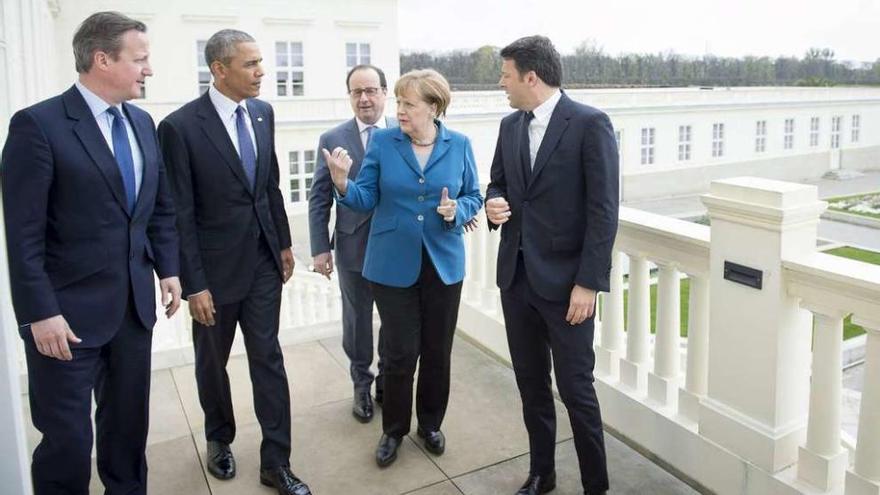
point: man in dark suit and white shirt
(554, 189)
(89, 219)
(367, 88)
(235, 250)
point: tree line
(589, 67)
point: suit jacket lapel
(149, 175)
(355, 148)
(89, 134)
(213, 127)
(403, 146)
(260, 123)
(441, 147)
(555, 130)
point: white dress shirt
(105, 123)
(538, 125)
(380, 124)
(226, 110)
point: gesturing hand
(51, 337)
(447, 206)
(339, 163)
(498, 210)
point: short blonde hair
(429, 85)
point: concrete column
(491, 294)
(822, 461)
(759, 343)
(697, 349)
(864, 478)
(609, 351)
(663, 381)
(634, 367)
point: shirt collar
(380, 124)
(224, 105)
(545, 110)
(95, 103)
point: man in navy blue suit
(89, 218)
(235, 250)
(554, 189)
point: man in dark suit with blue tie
(367, 87)
(89, 218)
(554, 188)
(234, 250)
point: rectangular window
(648, 135)
(814, 131)
(788, 136)
(289, 70)
(204, 72)
(856, 127)
(684, 143)
(760, 136)
(302, 173)
(835, 132)
(717, 140)
(357, 54)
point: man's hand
(287, 263)
(498, 210)
(201, 308)
(581, 305)
(447, 206)
(170, 290)
(323, 264)
(472, 225)
(51, 336)
(339, 163)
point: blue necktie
(245, 147)
(370, 129)
(122, 152)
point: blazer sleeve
(363, 192)
(601, 176)
(26, 170)
(178, 165)
(161, 228)
(276, 199)
(469, 200)
(320, 203)
(497, 181)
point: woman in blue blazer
(421, 183)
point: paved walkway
(486, 441)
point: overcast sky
(689, 27)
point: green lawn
(849, 329)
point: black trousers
(258, 315)
(537, 330)
(60, 394)
(418, 325)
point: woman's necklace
(425, 144)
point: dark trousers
(536, 328)
(418, 323)
(60, 394)
(357, 330)
(258, 315)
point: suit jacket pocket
(68, 272)
(381, 225)
(565, 243)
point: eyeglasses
(370, 92)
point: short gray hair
(101, 32)
(221, 45)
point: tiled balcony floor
(487, 447)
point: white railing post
(864, 477)
(634, 367)
(609, 350)
(822, 461)
(491, 293)
(696, 378)
(663, 381)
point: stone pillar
(609, 350)
(759, 343)
(864, 477)
(697, 349)
(634, 367)
(663, 381)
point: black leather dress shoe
(386, 451)
(435, 441)
(537, 484)
(283, 480)
(221, 463)
(362, 409)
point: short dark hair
(220, 47)
(536, 53)
(101, 31)
(382, 82)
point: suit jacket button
(421, 180)
(420, 217)
(421, 198)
